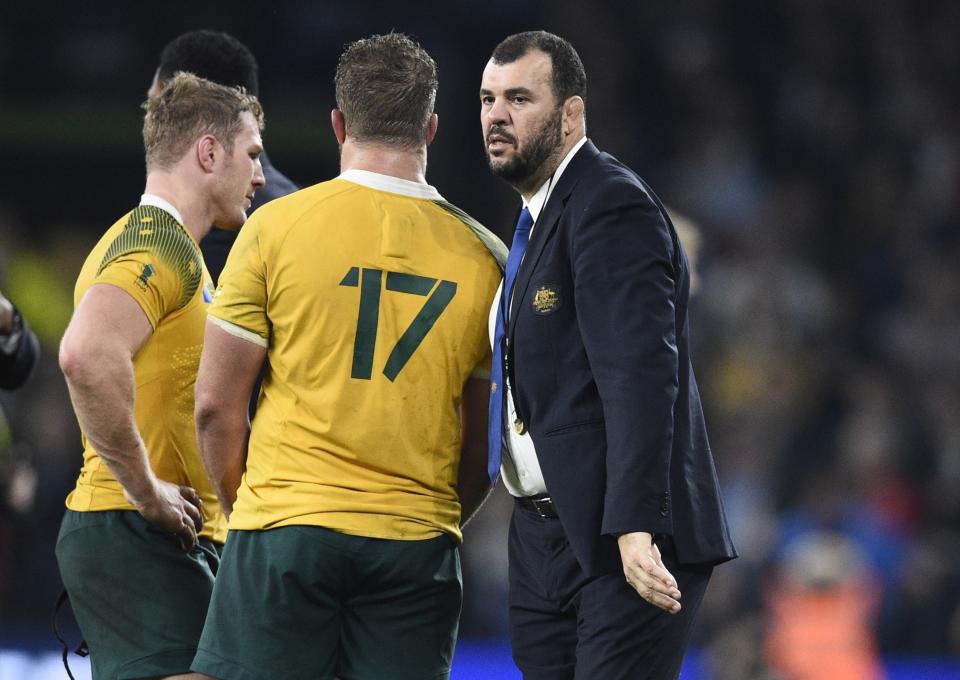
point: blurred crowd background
(809, 148)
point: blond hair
(189, 107)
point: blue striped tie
(497, 375)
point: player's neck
(408, 164)
(184, 196)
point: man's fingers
(657, 587)
(187, 536)
(193, 506)
(660, 600)
(190, 494)
(654, 567)
(196, 517)
(653, 577)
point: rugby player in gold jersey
(138, 545)
(367, 294)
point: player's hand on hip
(643, 567)
(174, 508)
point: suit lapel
(546, 223)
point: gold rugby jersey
(149, 255)
(370, 294)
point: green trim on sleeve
(494, 245)
(153, 230)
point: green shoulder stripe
(493, 244)
(154, 231)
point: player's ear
(339, 124)
(154, 88)
(206, 149)
(432, 127)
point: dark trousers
(565, 625)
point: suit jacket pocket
(595, 424)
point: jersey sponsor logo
(208, 292)
(439, 293)
(144, 278)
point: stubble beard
(527, 169)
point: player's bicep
(107, 317)
(229, 366)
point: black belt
(541, 505)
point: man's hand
(173, 508)
(644, 570)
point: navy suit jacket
(598, 358)
(216, 245)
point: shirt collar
(163, 204)
(539, 199)
(394, 185)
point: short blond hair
(189, 107)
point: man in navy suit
(618, 520)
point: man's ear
(207, 150)
(339, 124)
(154, 88)
(573, 110)
(432, 127)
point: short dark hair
(386, 86)
(569, 76)
(213, 55)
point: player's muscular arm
(229, 367)
(473, 484)
(96, 356)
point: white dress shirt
(520, 468)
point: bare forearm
(101, 388)
(228, 370)
(223, 440)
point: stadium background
(814, 143)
